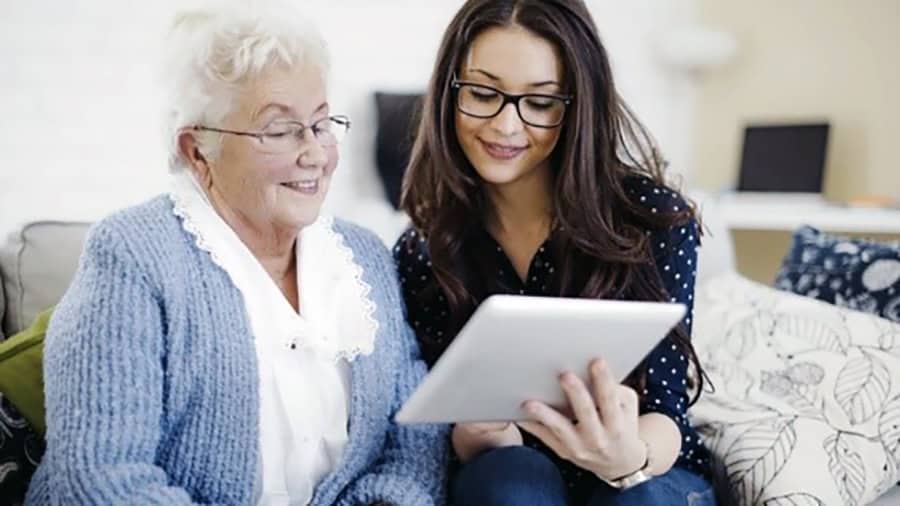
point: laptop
(783, 158)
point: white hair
(216, 49)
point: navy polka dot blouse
(675, 254)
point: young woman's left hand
(604, 439)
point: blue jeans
(521, 476)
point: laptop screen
(783, 158)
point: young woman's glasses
(287, 136)
(536, 109)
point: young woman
(530, 176)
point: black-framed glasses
(540, 110)
(283, 137)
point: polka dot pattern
(675, 253)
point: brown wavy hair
(599, 236)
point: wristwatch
(635, 478)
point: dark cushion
(21, 449)
(858, 274)
(398, 118)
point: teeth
(505, 149)
(303, 185)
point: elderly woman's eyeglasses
(287, 136)
(536, 109)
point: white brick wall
(80, 136)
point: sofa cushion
(36, 266)
(854, 273)
(806, 401)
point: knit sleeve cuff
(396, 490)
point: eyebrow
(494, 78)
(287, 109)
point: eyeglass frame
(509, 98)
(297, 132)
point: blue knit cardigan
(151, 381)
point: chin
(298, 216)
(306, 216)
(300, 211)
(499, 174)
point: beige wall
(800, 60)
(759, 254)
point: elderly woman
(226, 344)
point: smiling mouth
(305, 187)
(502, 151)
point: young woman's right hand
(470, 439)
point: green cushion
(21, 371)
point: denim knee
(676, 487)
(515, 475)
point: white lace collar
(336, 317)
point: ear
(190, 151)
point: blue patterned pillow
(857, 274)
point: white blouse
(304, 372)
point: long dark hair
(600, 235)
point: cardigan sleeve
(103, 379)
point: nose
(507, 121)
(312, 154)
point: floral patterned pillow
(854, 273)
(806, 400)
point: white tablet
(514, 348)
